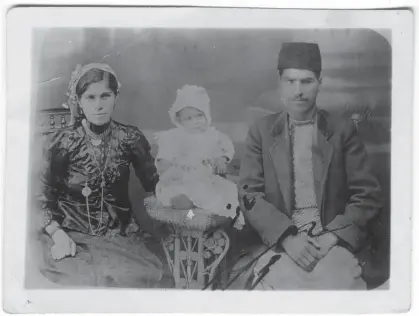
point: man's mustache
(299, 99)
(294, 99)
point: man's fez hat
(300, 55)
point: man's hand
(326, 242)
(303, 250)
(63, 245)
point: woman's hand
(220, 165)
(63, 245)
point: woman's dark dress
(71, 164)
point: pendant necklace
(87, 191)
(96, 139)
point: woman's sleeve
(225, 146)
(53, 170)
(143, 162)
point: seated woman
(84, 192)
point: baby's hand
(220, 165)
(162, 165)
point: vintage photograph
(233, 159)
(196, 157)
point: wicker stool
(193, 257)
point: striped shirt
(305, 208)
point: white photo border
(21, 21)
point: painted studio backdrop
(238, 69)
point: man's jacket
(347, 193)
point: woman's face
(98, 103)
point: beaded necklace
(87, 191)
(96, 139)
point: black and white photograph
(188, 155)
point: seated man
(306, 186)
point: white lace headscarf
(72, 102)
(191, 96)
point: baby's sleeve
(166, 146)
(225, 146)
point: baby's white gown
(191, 172)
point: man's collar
(279, 124)
(322, 123)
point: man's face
(298, 90)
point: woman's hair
(93, 76)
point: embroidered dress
(73, 164)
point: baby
(192, 156)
